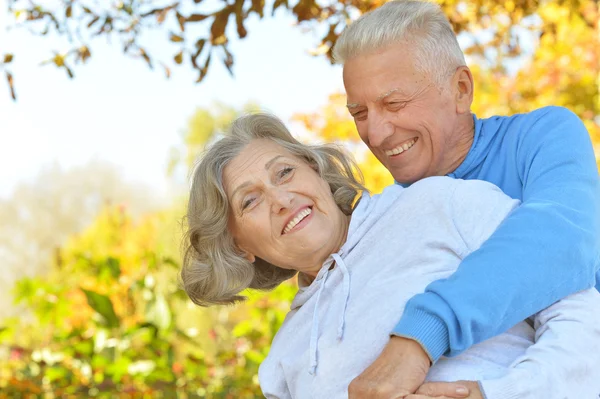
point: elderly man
(410, 92)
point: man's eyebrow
(381, 97)
(388, 93)
(247, 183)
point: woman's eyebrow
(272, 161)
(247, 183)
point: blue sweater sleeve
(545, 250)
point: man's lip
(292, 216)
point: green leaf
(159, 313)
(113, 265)
(103, 306)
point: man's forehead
(379, 97)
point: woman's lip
(300, 224)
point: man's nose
(281, 199)
(379, 129)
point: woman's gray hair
(421, 23)
(214, 270)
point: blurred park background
(105, 105)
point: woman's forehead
(258, 156)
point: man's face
(405, 118)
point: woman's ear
(251, 258)
(246, 254)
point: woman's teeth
(297, 220)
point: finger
(449, 389)
(417, 396)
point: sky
(118, 110)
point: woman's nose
(281, 199)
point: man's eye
(359, 115)
(396, 104)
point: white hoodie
(398, 243)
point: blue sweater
(545, 250)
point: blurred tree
(42, 214)
(110, 321)
(204, 126)
(201, 32)
(108, 317)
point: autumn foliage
(108, 318)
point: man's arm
(403, 365)
(564, 361)
(545, 250)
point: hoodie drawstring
(346, 283)
(314, 335)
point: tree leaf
(180, 20)
(176, 38)
(196, 18)
(103, 306)
(258, 6)
(113, 266)
(93, 21)
(204, 69)
(178, 58)
(239, 20)
(279, 3)
(8, 58)
(11, 85)
(217, 29)
(228, 61)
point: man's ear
(463, 84)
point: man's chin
(406, 179)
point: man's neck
(461, 145)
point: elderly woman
(264, 207)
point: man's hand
(448, 390)
(399, 370)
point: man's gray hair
(214, 270)
(421, 24)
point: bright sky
(118, 110)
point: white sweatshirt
(399, 242)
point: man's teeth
(297, 220)
(400, 149)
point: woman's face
(281, 210)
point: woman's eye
(247, 203)
(285, 172)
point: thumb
(449, 389)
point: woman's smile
(298, 220)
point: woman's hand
(448, 390)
